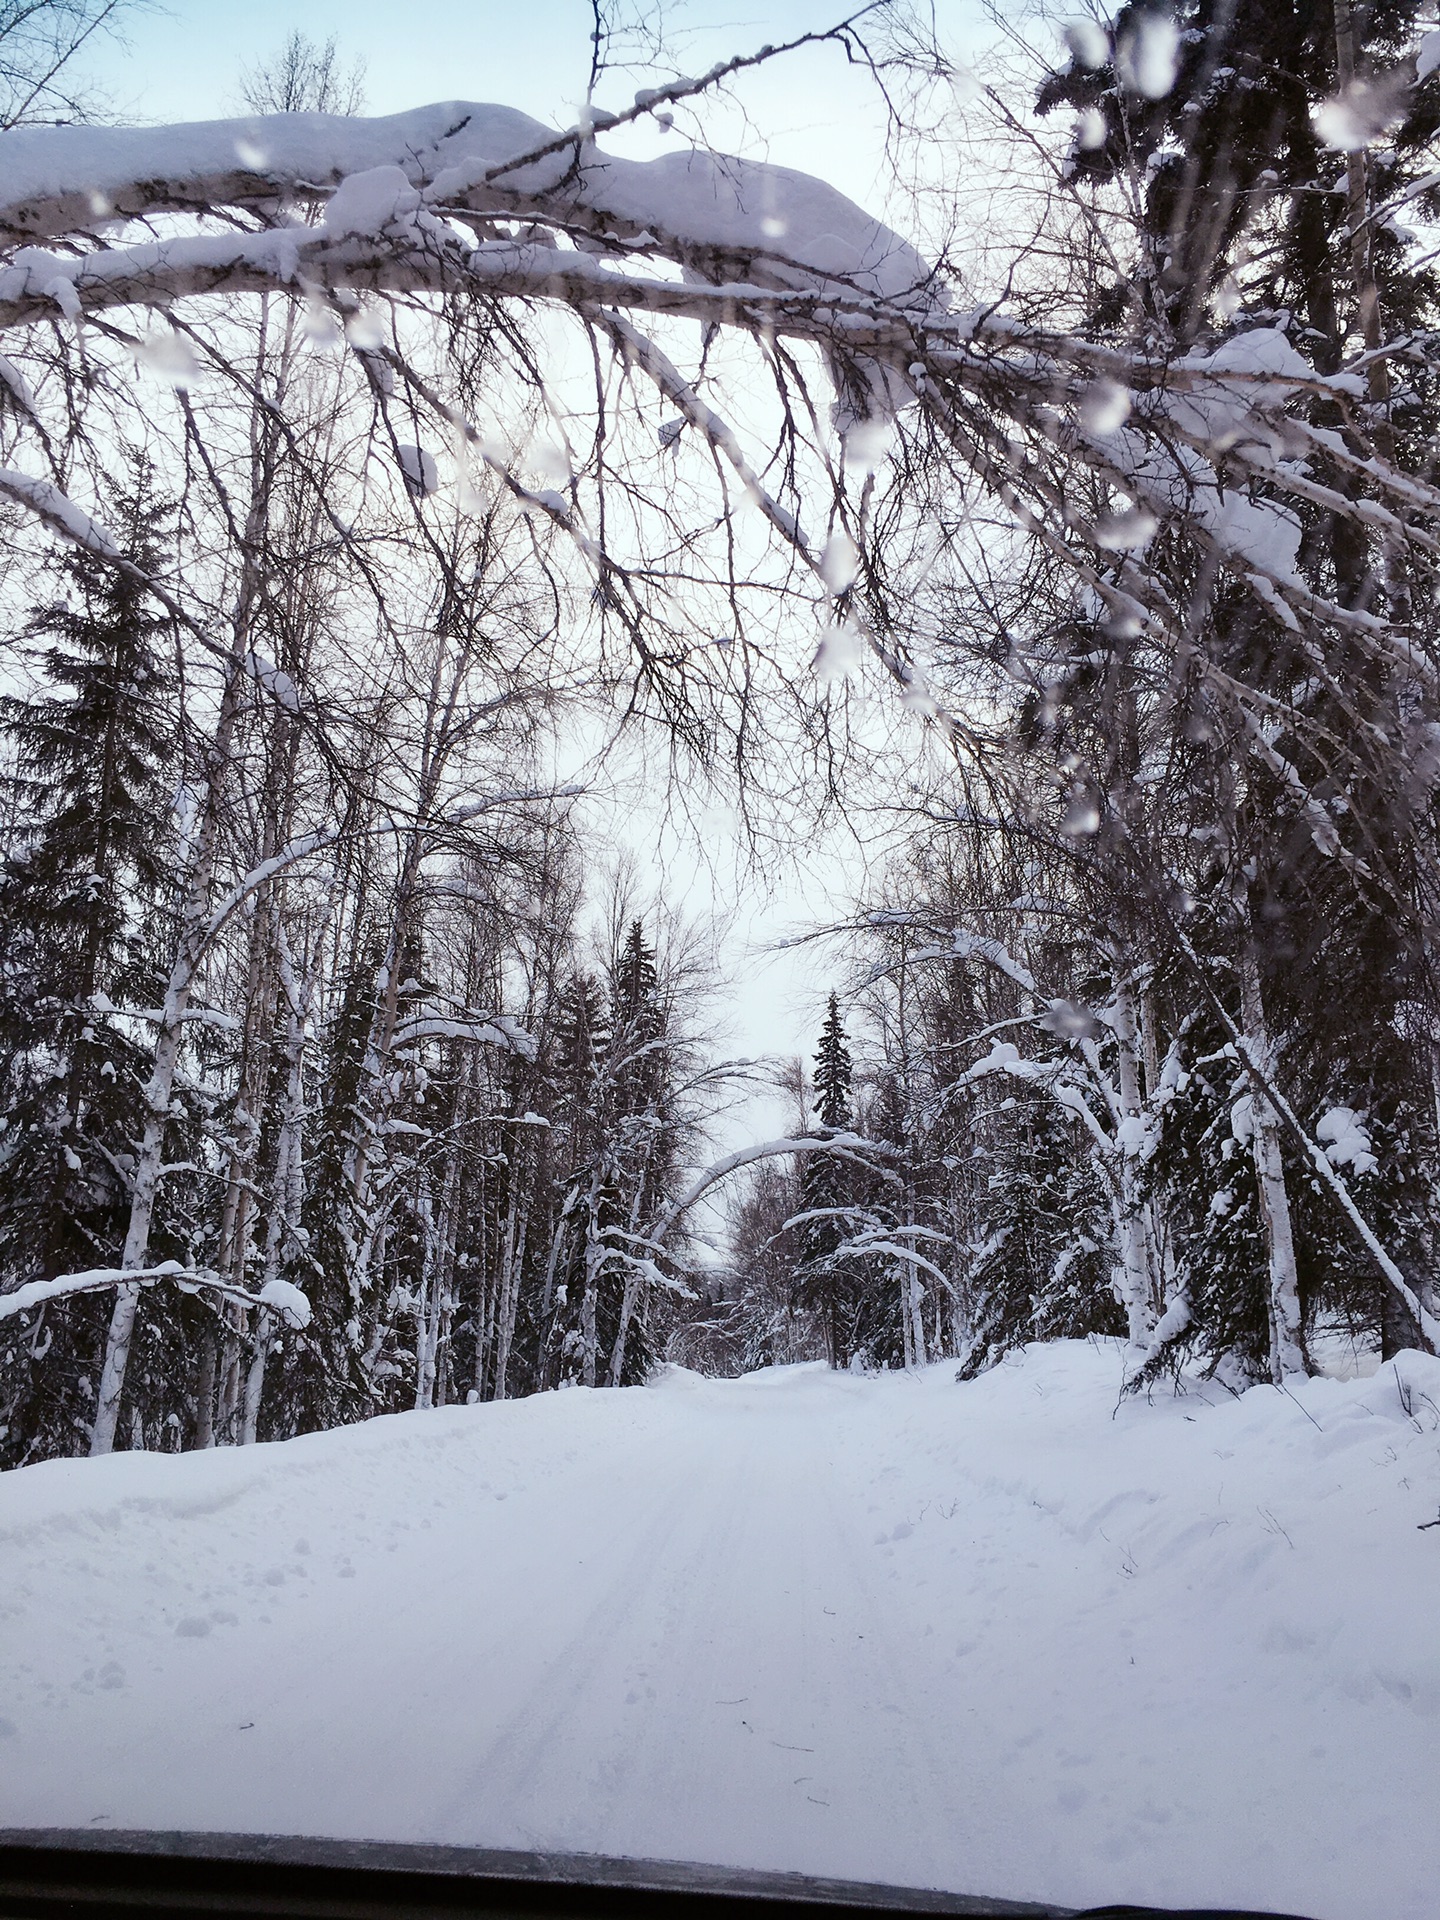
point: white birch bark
(160, 1086)
(1138, 1281)
(1287, 1347)
(428, 1320)
(512, 1260)
(589, 1299)
(286, 1199)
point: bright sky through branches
(184, 62)
(811, 110)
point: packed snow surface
(1006, 1637)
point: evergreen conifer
(83, 891)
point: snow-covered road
(986, 1637)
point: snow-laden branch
(894, 1250)
(724, 216)
(492, 1030)
(484, 203)
(847, 1146)
(281, 1295)
(57, 510)
(882, 1238)
(1051, 1077)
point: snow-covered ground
(999, 1638)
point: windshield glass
(719, 1052)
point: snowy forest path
(1009, 1638)
(733, 1680)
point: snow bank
(1010, 1637)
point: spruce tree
(827, 1188)
(82, 889)
(1250, 218)
(643, 1127)
(588, 1209)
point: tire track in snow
(516, 1784)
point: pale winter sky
(186, 60)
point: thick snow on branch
(286, 1299)
(37, 1293)
(775, 226)
(57, 510)
(483, 202)
(496, 1030)
(281, 1295)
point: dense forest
(355, 519)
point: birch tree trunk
(241, 1209)
(512, 1257)
(149, 1161)
(1138, 1280)
(286, 1199)
(428, 1321)
(1287, 1347)
(589, 1299)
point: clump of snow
(840, 562)
(1081, 816)
(1261, 350)
(1088, 42)
(867, 443)
(372, 202)
(1090, 130)
(1126, 532)
(1135, 1137)
(420, 473)
(841, 649)
(365, 330)
(286, 1299)
(1365, 110)
(1148, 54)
(1346, 1139)
(1259, 531)
(1105, 407)
(169, 357)
(276, 682)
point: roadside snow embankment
(1003, 1638)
